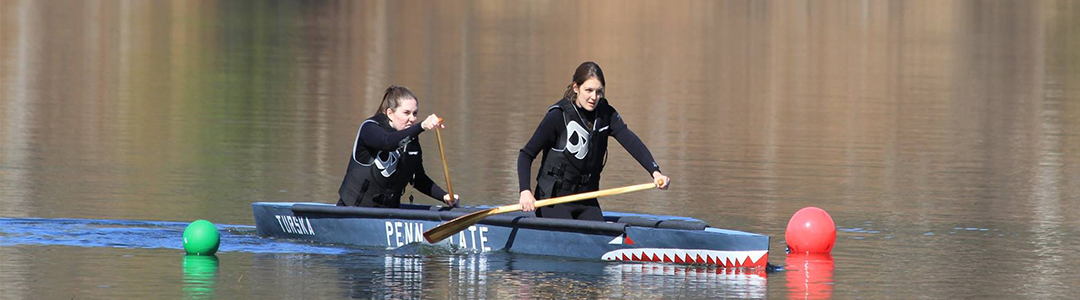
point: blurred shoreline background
(909, 121)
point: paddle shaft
(458, 224)
(446, 170)
(578, 197)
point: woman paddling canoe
(573, 137)
(386, 155)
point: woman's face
(589, 93)
(404, 115)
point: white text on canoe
(295, 225)
(401, 233)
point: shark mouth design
(727, 259)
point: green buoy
(201, 238)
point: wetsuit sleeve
(425, 185)
(543, 138)
(633, 144)
(373, 136)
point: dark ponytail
(584, 71)
(393, 97)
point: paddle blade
(456, 225)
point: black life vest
(574, 164)
(377, 178)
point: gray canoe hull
(626, 237)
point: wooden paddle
(458, 224)
(446, 170)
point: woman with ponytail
(386, 155)
(573, 137)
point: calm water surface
(942, 137)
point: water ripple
(144, 235)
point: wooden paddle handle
(446, 170)
(579, 197)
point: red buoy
(811, 230)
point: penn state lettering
(469, 238)
(295, 225)
(400, 233)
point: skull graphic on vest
(577, 139)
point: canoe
(621, 237)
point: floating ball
(201, 238)
(811, 230)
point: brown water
(942, 137)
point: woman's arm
(544, 137)
(637, 149)
(373, 136)
(425, 185)
(633, 144)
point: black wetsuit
(572, 162)
(382, 163)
